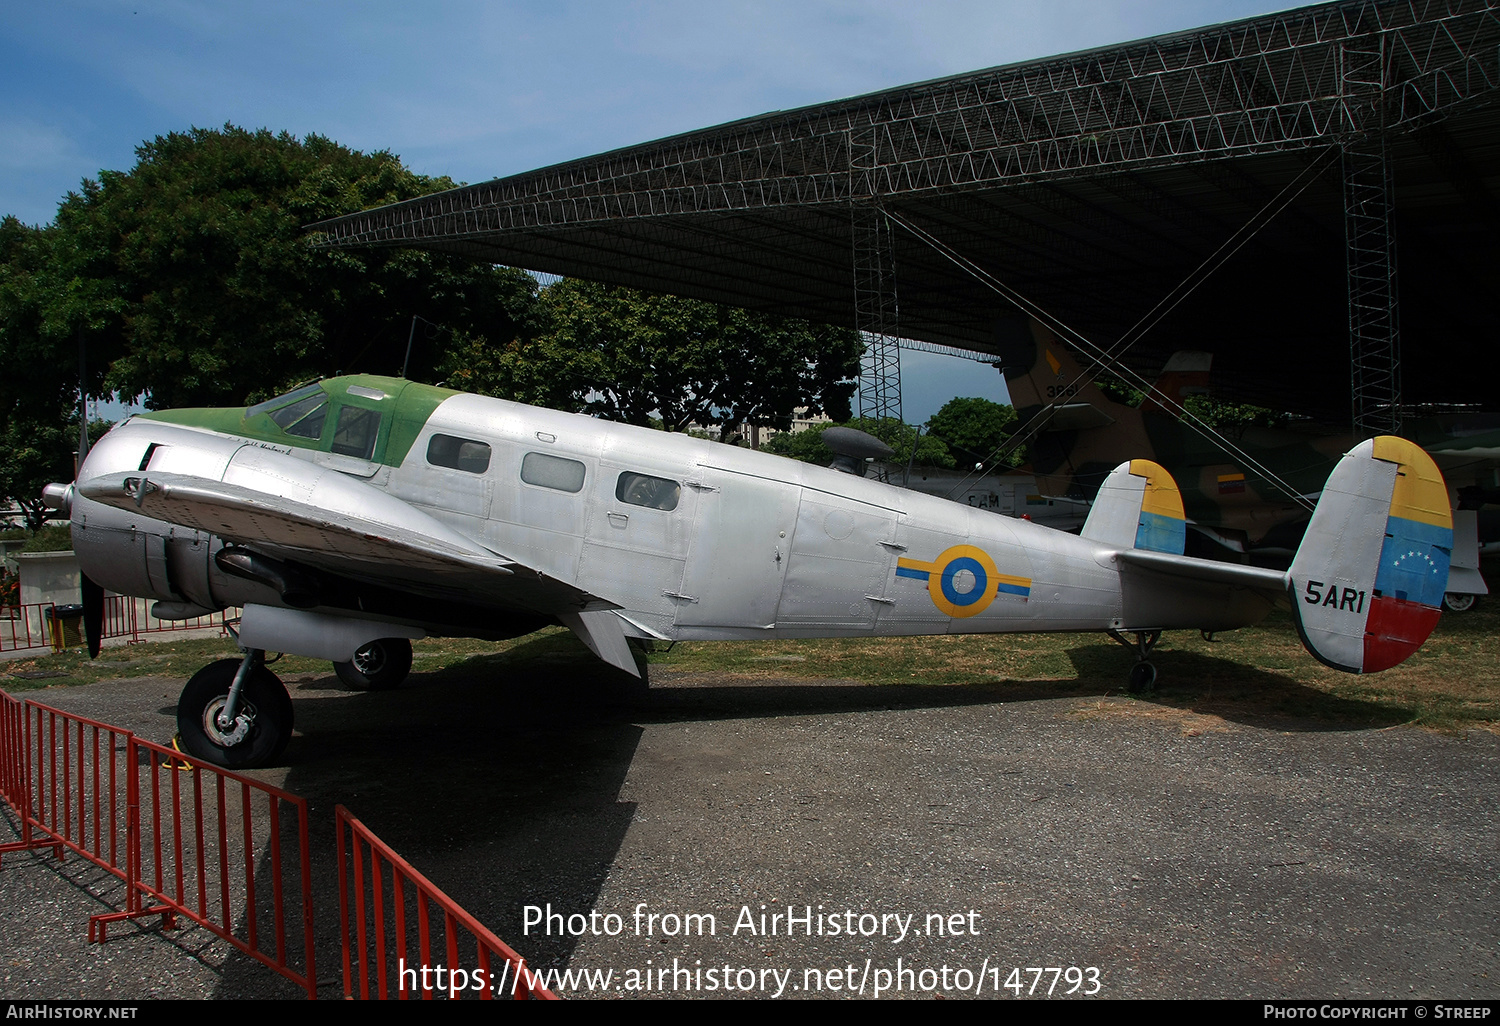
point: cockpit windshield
(303, 419)
(282, 400)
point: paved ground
(1177, 854)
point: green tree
(193, 279)
(973, 428)
(33, 454)
(640, 357)
(39, 328)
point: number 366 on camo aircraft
(351, 516)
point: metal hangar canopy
(1093, 184)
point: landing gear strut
(1143, 673)
(235, 713)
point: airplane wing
(348, 528)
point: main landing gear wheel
(377, 666)
(1459, 602)
(262, 723)
(1142, 677)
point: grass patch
(1259, 675)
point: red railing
(384, 917)
(198, 834)
(77, 791)
(15, 774)
(34, 625)
(28, 626)
(182, 837)
(123, 619)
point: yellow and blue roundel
(963, 581)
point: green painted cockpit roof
(405, 407)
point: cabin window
(356, 432)
(304, 419)
(546, 471)
(644, 490)
(458, 453)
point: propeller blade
(93, 614)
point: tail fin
(1039, 370)
(1138, 507)
(1368, 580)
(1186, 373)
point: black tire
(1142, 677)
(1459, 601)
(263, 726)
(377, 666)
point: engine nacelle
(132, 554)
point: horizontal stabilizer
(1078, 417)
(1368, 580)
(1138, 507)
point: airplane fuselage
(686, 538)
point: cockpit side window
(304, 418)
(356, 432)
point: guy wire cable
(1108, 359)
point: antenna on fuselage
(410, 335)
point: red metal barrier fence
(27, 626)
(197, 837)
(15, 773)
(77, 786)
(34, 625)
(181, 836)
(382, 909)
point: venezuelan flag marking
(1231, 484)
(1414, 559)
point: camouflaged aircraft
(349, 517)
(1233, 509)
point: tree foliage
(193, 280)
(639, 357)
(190, 280)
(973, 428)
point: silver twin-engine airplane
(352, 516)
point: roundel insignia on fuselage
(963, 580)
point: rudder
(1138, 507)
(1368, 580)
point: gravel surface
(1178, 855)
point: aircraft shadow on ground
(502, 790)
(499, 778)
(1197, 683)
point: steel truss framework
(1088, 181)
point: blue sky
(478, 90)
